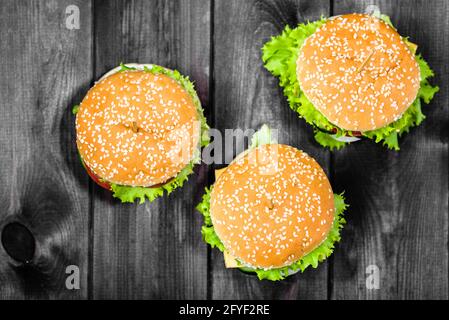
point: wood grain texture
(44, 66)
(247, 96)
(152, 251)
(398, 218)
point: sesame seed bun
(272, 211)
(137, 128)
(358, 72)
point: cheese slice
(230, 261)
(413, 47)
(218, 172)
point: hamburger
(272, 211)
(351, 77)
(139, 131)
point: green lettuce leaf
(207, 230)
(75, 109)
(312, 259)
(426, 91)
(261, 137)
(124, 67)
(129, 193)
(327, 140)
(279, 56)
(387, 19)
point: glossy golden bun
(137, 128)
(358, 72)
(272, 206)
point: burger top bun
(358, 72)
(137, 128)
(272, 206)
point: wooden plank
(398, 218)
(247, 96)
(44, 67)
(153, 250)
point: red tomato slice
(96, 178)
(354, 133)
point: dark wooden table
(398, 219)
